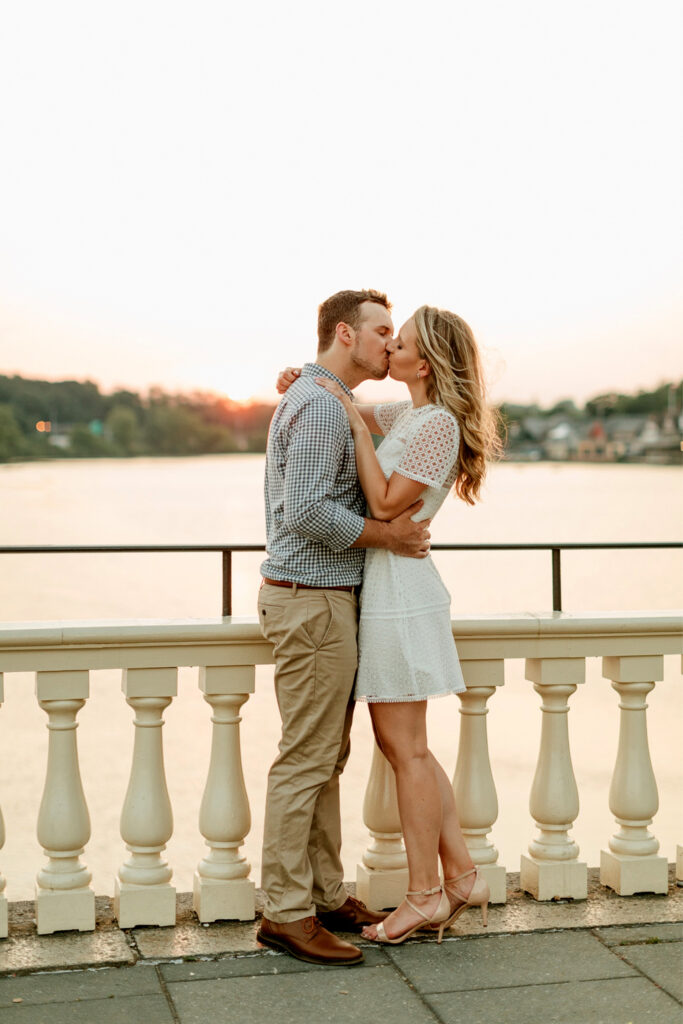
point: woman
(439, 440)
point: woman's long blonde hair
(456, 382)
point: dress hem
(411, 698)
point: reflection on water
(218, 500)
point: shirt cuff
(347, 528)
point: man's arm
(401, 535)
(315, 449)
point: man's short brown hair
(344, 307)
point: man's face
(369, 351)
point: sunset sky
(182, 183)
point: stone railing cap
(192, 631)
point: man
(317, 531)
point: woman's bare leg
(402, 737)
(453, 853)
(401, 732)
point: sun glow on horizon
(173, 217)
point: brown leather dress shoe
(350, 917)
(307, 940)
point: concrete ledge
(25, 951)
(148, 643)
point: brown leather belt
(307, 586)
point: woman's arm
(386, 498)
(291, 373)
(367, 414)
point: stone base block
(63, 911)
(495, 876)
(381, 890)
(143, 904)
(628, 875)
(3, 917)
(218, 900)
(558, 880)
(679, 865)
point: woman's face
(404, 359)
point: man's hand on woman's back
(409, 539)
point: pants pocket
(319, 619)
(272, 620)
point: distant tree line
(66, 419)
(58, 419)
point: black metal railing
(226, 551)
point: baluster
(679, 848)
(64, 899)
(382, 878)
(222, 888)
(142, 894)
(475, 791)
(631, 864)
(552, 870)
(3, 898)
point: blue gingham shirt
(314, 503)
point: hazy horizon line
(272, 397)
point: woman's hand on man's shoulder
(286, 377)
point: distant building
(561, 442)
(611, 438)
(59, 439)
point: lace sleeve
(431, 454)
(387, 413)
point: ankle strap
(424, 892)
(458, 878)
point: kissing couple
(356, 611)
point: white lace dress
(405, 644)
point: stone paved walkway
(604, 960)
(612, 975)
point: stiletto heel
(478, 896)
(440, 914)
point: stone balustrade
(3, 898)
(554, 646)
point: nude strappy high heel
(479, 896)
(440, 915)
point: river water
(218, 499)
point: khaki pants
(314, 635)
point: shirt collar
(316, 370)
